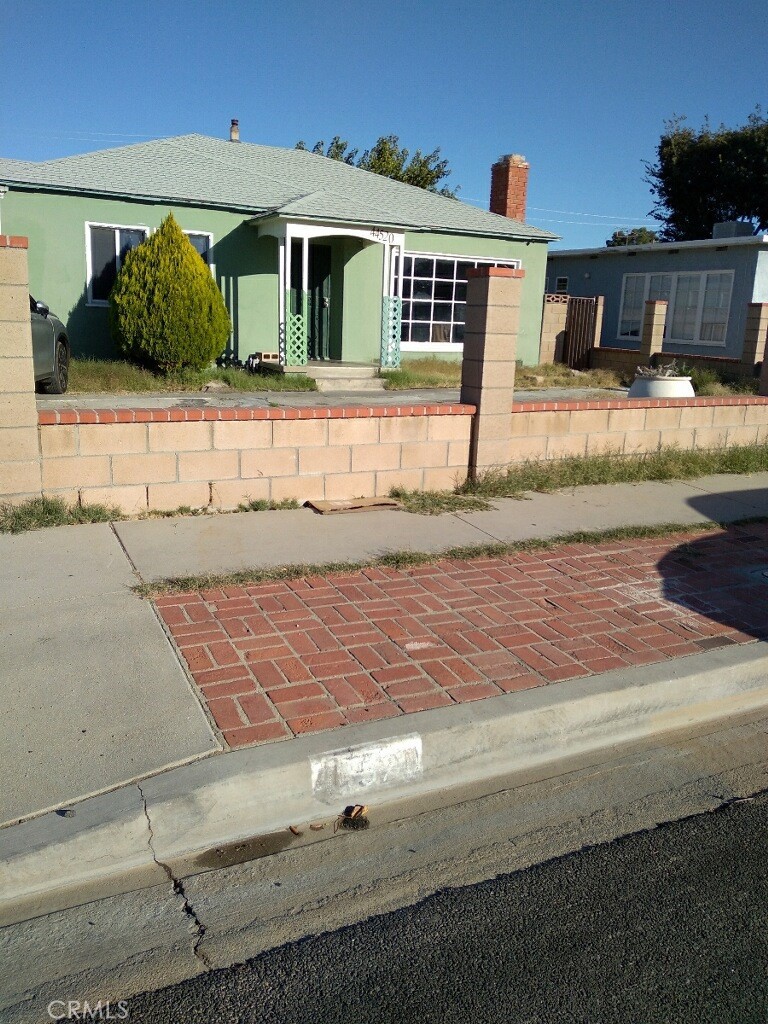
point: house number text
(383, 236)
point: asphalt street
(661, 927)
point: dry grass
(406, 559)
(665, 464)
(432, 372)
(116, 377)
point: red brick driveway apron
(274, 660)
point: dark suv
(50, 349)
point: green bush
(166, 311)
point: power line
(609, 218)
(578, 213)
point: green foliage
(637, 236)
(166, 311)
(387, 158)
(710, 175)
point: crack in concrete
(178, 888)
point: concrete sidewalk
(94, 689)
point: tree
(166, 311)
(637, 236)
(386, 157)
(710, 175)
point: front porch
(337, 293)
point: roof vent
(234, 130)
(733, 229)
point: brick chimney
(234, 131)
(509, 185)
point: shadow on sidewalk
(724, 576)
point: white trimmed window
(561, 286)
(202, 242)
(434, 292)
(699, 304)
(105, 248)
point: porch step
(344, 377)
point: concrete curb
(178, 823)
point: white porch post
(281, 299)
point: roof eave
(661, 247)
(136, 197)
(516, 236)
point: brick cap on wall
(49, 417)
(495, 272)
(13, 242)
(584, 405)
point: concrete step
(336, 384)
(344, 376)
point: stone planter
(661, 387)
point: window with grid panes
(435, 295)
(698, 305)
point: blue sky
(581, 89)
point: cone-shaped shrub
(166, 311)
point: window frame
(442, 346)
(675, 275)
(205, 234)
(116, 228)
(561, 289)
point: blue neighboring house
(708, 285)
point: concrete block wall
(556, 430)
(554, 316)
(651, 348)
(19, 452)
(139, 459)
(164, 459)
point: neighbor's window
(435, 295)
(698, 305)
(107, 246)
(561, 286)
(631, 320)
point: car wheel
(57, 385)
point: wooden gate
(581, 327)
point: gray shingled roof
(259, 180)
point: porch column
(281, 303)
(295, 324)
(391, 308)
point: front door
(319, 301)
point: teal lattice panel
(295, 340)
(391, 321)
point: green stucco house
(317, 260)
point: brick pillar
(652, 337)
(488, 367)
(755, 334)
(553, 319)
(20, 473)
